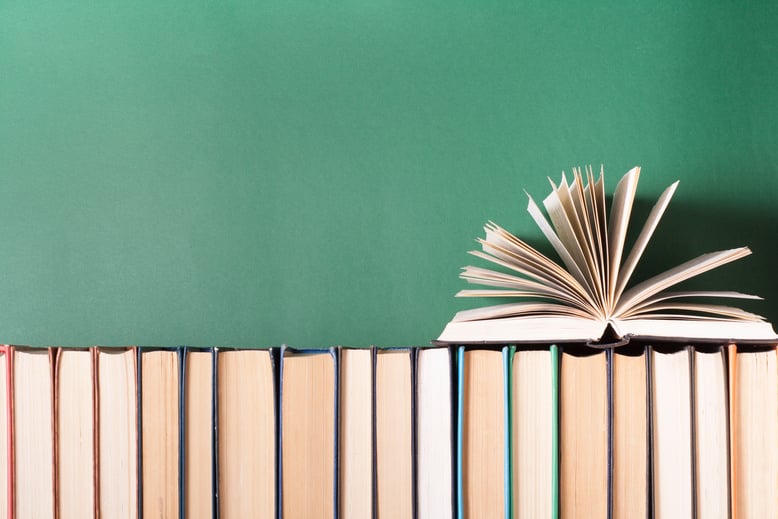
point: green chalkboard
(311, 173)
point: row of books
(477, 432)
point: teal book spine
(507, 358)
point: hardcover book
(308, 432)
(74, 406)
(117, 433)
(246, 433)
(588, 296)
(357, 482)
(33, 423)
(483, 432)
(197, 438)
(435, 445)
(394, 422)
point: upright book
(34, 426)
(671, 417)
(583, 424)
(394, 420)
(246, 433)
(198, 438)
(534, 432)
(117, 433)
(434, 433)
(160, 424)
(588, 296)
(75, 392)
(483, 432)
(357, 470)
(6, 433)
(629, 433)
(754, 429)
(308, 432)
(711, 433)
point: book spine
(139, 421)
(52, 353)
(335, 353)
(414, 465)
(374, 422)
(649, 436)
(693, 428)
(555, 431)
(94, 353)
(609, 463)
(277, 361)
(460, 428)
(506, 378)
(215, 433)
(650, 427)
(728, 424)
(9, 417)
(732, 385)
(54, 358)
(509, 436)
(181, 357)
(453, 407)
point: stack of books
(441, 432)
(589, 397)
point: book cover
(588, 296)
(6, 432)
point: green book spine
(555, 431)
(511, 353)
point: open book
(587, 297)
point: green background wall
(312, 173)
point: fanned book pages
(588, 295)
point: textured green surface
(257, 173)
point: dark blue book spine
(460, 429)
